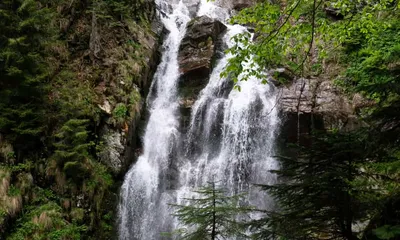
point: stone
(112, 153)
(242, 4)
(106, 107)
(308, 104)
(193, 7)
(236, 4)
(198, 48)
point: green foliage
(75, 171)
(26, 30)
(13, 191)
(111, 10)
(73, 98)
(46, 222)
(120, 111)
(21, 167)
(77, 214)
(49, 105)
(316, 197)
(210, 215)
(387, 232)
(341, 177)
(300, 35)
(72, 145)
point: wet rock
(241, 4)
(112, 153)
(197, 50)
(193, 7)
(308, 104)
(334, 13)
(236, 4)
(197, 54)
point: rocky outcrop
(119, 134)
(236, 4)
(197, 49)
(314, 104)
(197, 54)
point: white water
(230, 138)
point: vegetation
(210, 215)
(340, 179)
(60, 61)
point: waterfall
(230, 138)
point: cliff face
(99, 60)
(128, 86)
(315, 103)
(304, 103)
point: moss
(119, 113)
(13, 191)
(75, 171)
(135, 97)
(77, 214)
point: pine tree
(210, 215)
(316, 198)
(72, 148)
(25, 30)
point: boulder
(113, 151)
(236, 4)
(308, 104)
(197, 50)
(315, 96)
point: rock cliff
(197, 54)
(314, 103)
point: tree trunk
(213, 231)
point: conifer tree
(25, 31)
(315, 196)
(72, 148)
(210, 215)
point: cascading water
(230, 138)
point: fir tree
(25, 31)
(210, 215)
(72, 148)
(316, 198)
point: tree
(25, 31)
(357, 44)
(305, 36)
(210, 215)
(315, 197)
(72, 149)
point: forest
(60, 60)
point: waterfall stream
(230, 138)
